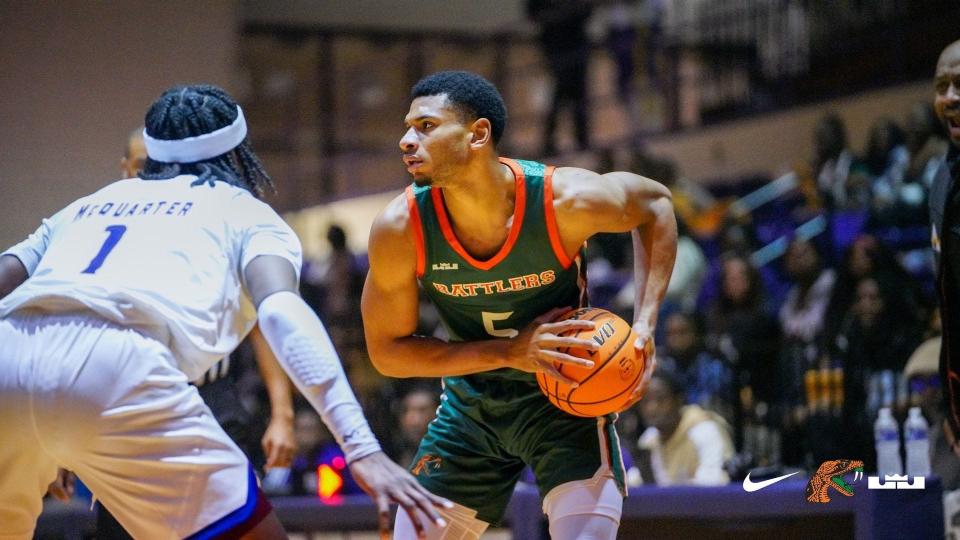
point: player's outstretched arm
(303, 348)
(278, 442)
(390, 306)
(588, 203)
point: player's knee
(461, 525)
(584, 509)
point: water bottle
(916, 439)
(887, 437)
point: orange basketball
(608, 385)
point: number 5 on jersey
(115, 232)
(490, 317)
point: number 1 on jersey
(489, 318)
(115, 232)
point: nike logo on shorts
(749, 485)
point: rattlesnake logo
(427, 463)
(830, 474)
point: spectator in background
(926, 144)
(653, 15)
(801, 321)
(738, 236)
(865, 257)
(886, 160)
(707, 379)
(876, 337)
(841, 180)
(684, 444)
(742, 329)
(928, 147)
(621, 41)
(342, 283)
(563, 38)
(414, 411)
(802, 315)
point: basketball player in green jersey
(495, 244)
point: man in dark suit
(945, 219)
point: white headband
(200, 147)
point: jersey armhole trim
(417, 227)
(550, 217)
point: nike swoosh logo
(748, 485)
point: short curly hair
(473, 96)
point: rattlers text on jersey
(163, 256)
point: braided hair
(189, 111)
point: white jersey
(162, 256)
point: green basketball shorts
(473, 453)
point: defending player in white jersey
(119, 299)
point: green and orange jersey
(530, 275)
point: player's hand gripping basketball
(387, 482)
(536, 347)
(647, 350)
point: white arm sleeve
(300, 342)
